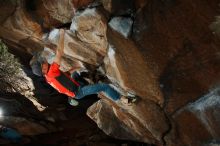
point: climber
(10, 134)
(67, 84)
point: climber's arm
(60, 48)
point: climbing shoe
(73, 102)
(128, 100)
(132, 99)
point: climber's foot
(73, 102)
(128, 100)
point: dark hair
(36, 64)
(36, 68)
(47, 67)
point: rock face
(90, 27)
(27, 21)
(122, 25)
(201, 116)
(171, 60)
(20, 29)
(176, 41)
(60, 10)
(126, 66)
(27, 127)
(85, 42)
(215, 26)
(8, 9)
(101, 112)
(20, 113)
(118, 7)
(136, 122)
(55, 12)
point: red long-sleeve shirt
(61, 81)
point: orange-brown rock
(182, 51)
(198, 122)
(54, 13)
(21, 31)
(143, 121)
(172, 63)
(7, 9)
(126, 66)
(118, 7)
(26, 127)
(62, 11)
(81, 3)
(85, 42)
(90, 27)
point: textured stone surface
(26, 127)
(21, 31)
(215, 26)
(20, 21)
(50, 14)
(20, 113)
(27, 21)
(198, 121)
(122, 25)
(90, 27)
(64, 10)
(118, 7)
(75, 49)
(125, 66)
(173, 62)
(85, 43)
(182, 55)
(78, 4)
(7, 9)
(60, 10)
(181, 58)
(101, 113)
(176, 41)
(144, 121)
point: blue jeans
(95, 89)
(78, 78)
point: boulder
(215, 26)
(183, 57)
(27, 127)
(21, 31)
(143, 121)
(73, 49)
(27, 21)
(85, 42)
(90, 27)
(122, 25)
(101, 113)
(171, 61)
(198, 122)
(62, 11)
(79, 4)
(118, 7)
(21, 22)
(7, 9)
(50, 14)
(125, 66)
(139, 4)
